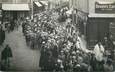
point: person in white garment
(81, 44)
(99, 52)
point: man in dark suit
(6, 56)
(2, 35)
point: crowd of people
(63, 47)
(11, 24)
(44, 24)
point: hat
(78, 51)
(59, 60)
(109, 61)
(43, 42)
(73, 52)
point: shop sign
(108, 8)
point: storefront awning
(105, 2)
(44, 2)
(101, 15)
(15, 7)
(38, 4)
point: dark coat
(43, 58)
(2, 36)
(6, 53)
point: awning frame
(38, 3)
(15, 7)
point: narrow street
(24, 58)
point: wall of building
(79, 4)
(87, 6)
(101, 20)
(15, 1)
(0, 1)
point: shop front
(101, 21)
(15, 11)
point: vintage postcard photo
(57, 35)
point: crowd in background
(10, 24)
(63, 47)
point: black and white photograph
(57, 35)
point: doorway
(97, 29)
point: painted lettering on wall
(104, 8)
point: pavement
(24, 58)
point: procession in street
(57, 36)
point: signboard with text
(107, 8)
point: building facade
(101, 18)
(80, 5)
